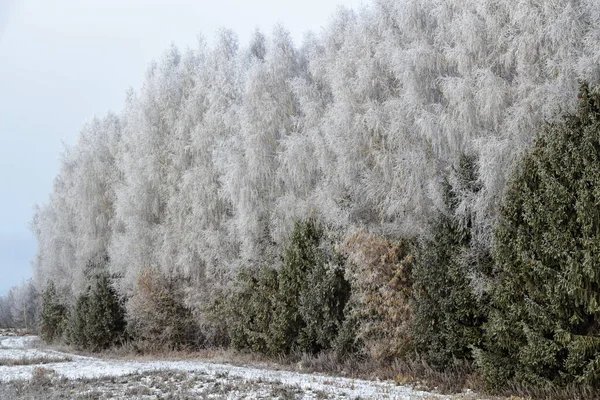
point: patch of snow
(30, 354)
(17, 342)
(88, 367)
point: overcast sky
(64, 61)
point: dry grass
(38, 360)
(411, 373)
(519, 391)
(15, 332)
(404, 372)
(217, 355)
(155, 385)
(41, 377)
(415, 374)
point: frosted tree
(516, 66)
(222, 149)
(55, 230)
(75, 225)
(267, 115)
(176, 255)
(359, 148)
(5, 315)
(148, 165)
(23, 305)
(93, 192)
(203, 207)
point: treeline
(417, 182)
(20, 307)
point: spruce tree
(321, 305)
(249, 310)
(544, 325)
(53, 314)
(78, 321)
(448, 316)
(300, 307)
(300, 257)
(97, 320)
(106, 315)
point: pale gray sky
(64, 61)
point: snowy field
(28, 370)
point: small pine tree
(300, 307)
(77, 322)
(348, 340)
(105, 320)
(544, 325)
(312, 293)
(300, 257)
(321, 306)
(97, 320)
(448, 316)
(249, 310)
(53, 314)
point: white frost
(88, 367)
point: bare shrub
(157, 316)
(41, 377)
(381, 276)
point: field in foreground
(29, 370)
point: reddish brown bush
(381, 275)
(157, 316)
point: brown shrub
(157, 317)
(381, 276)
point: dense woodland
(420, 180)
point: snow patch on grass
(200, 376)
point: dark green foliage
(301, 257)
(250, 310)
(106, 316)
(321, 306)
(53, 314)
(348, 340)
(97, 320)
(300, 307)
(544, 327)
(77, 322)
(448, 316)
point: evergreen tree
(249, 310)
(53, 314)
(448, 316)
(544, 326)
(321, 305)
(300, 257)
(97, 320)
(105, 322)
(78, 321)
(300, 307)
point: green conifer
(448, 316)
(544, 325)
(53, 314)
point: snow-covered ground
(74, 367)
(19, 350)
